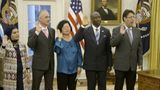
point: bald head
(95, 14)
(42, 13)
(96, 19)
(44, 18)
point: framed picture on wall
(110, 11)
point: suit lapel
(134, 35)
(127, 37)
(101, 35)
(50, 34)
(91, 33)
(43, 35)
(94, 37)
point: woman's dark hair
(61, 24)
(9, 30)
(126, 12)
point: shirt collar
(43, 28)
(103, 7)
(94, 28)
(127, 27)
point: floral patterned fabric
(9, 59)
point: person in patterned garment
(15, 61)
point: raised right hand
(5, 40)
(85, 21)
(122, 29)
(38, 28)
(60, 36)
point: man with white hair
(41, 41)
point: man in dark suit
(97, 55)
(41, 41)
(106, 13)
(127, 40)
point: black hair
(126, 12)
(61, 24)
(9, 30)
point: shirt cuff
(59, 44)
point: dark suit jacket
(96, 57)
(43, 49)
(105, 16)
(127, 55)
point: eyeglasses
(131, 17)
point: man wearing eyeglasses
(128, 54)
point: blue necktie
(97, 34)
